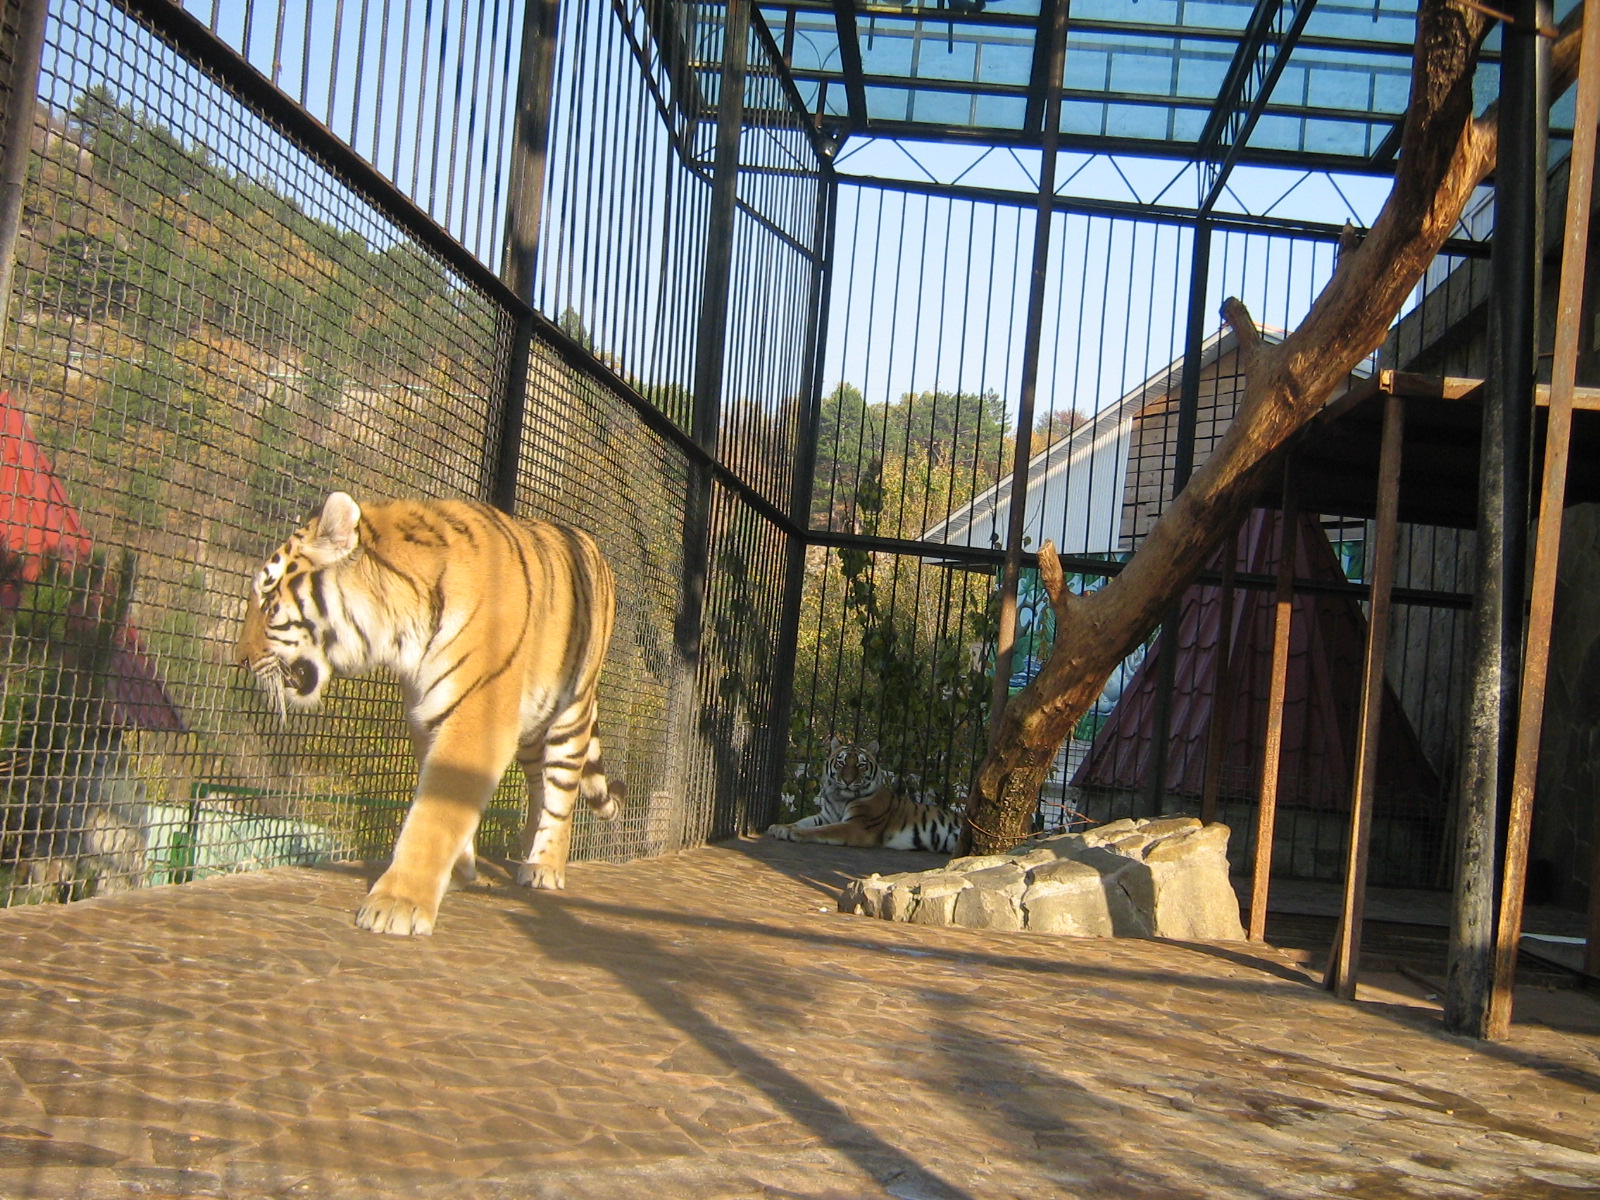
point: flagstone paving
(706, 1025)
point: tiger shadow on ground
(828, 869)
(676, 982)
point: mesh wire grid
(915, 439)
(211, 331)
(424, 92)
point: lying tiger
(496, 630)
(859, 806)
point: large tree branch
(1444, 155)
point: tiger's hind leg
(602, 794)
(559, 767)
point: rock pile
(1166, 877)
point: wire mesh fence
(914, 490)
(214, 323)
(424, 92)
(787, 408)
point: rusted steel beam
(1340, 977)
(1272, 750)
(1547, 544)
(1222, 697)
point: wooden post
(1547, 545)
(1272, 749)
(1222, 696)
(1340, 977)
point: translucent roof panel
(1175, 78)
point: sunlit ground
(707, 1025)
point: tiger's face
(852, 769)
(290, 640)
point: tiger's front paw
(784, 833)
(390, 907)
(539, 876)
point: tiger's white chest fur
(850, 773)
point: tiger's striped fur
(859, 805)
(496, 630)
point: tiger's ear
(336, 529)
(834, 743)
(871, 747)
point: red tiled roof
(1326, 648)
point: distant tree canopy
(932, 451)
(156, 233)
(1055, 426)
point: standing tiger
(496, 630)
(859, 806)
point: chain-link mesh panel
(588, 461)
(741, 643)
(209, 332)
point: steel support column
(524, 210)
(1495, 637)
(800, 494)
(22, 94)
(1005, 640)
(1182, 468)
(1547, 546)
(710, 350)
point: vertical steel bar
(1495, 639)
(802, 484)
(1005, 641)
(1340, 976)
(1221, 717)
(21, 101)
(530, 138)
(1182, 468)
(1547, 545)
(710, 350)
(1272, 743)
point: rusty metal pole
(1272, 743)
(1495, 637)
(1340, 977)
(1547, 545)
(1222, 694)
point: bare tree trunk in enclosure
(1444, 154)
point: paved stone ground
(706, 1025)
